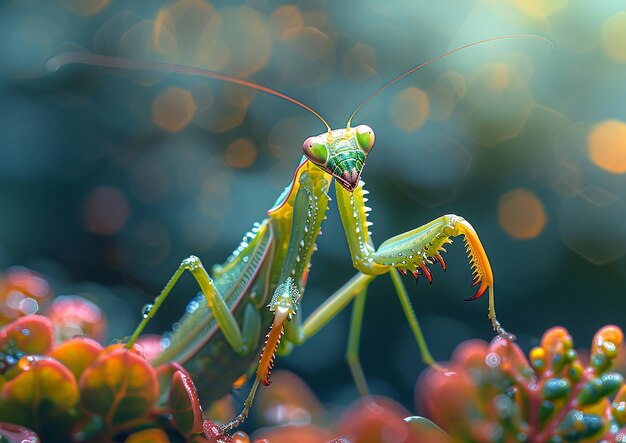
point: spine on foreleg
(268, 355)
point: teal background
(106, 202)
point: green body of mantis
(260, 286)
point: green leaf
(184, 404)
(120, 386)
(77, 354)
(43, 390)
(148, 436)
(27, 335)
(164, 377)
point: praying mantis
(260, 286)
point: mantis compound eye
(365, 137)
(315, 150)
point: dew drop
(145, 311)
(29, 306)
(492, 360)
(240, 437)
(166, 340)
(192, 306)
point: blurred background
(108, 179)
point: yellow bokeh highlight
(539, 9)
(308, 56)
(499, 77)
(202, 94)
(521, 214)
(284, 19)
(249, 40)
(233, 40)
(194, 26)
(241, 153)
(444, 94)
(233, 103)
(614, 36)
(607, 146)
(409, 109)
(494, 79)
(499, 103)
(138, 43)
(173, 109)
(359, 62)
(85, 7)
(311, 42)
(148, 436)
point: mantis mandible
(270, 267)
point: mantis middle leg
(356, 289)
(242, 340)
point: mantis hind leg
(407, 307)
(352, 351)
(356, 289)
(241, 343)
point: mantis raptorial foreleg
(415, 250)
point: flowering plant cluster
(493, 393)
(58, 382)
(71, 388)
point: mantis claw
(501, 332)
(427, 273)
(481, 269)
(416, 275)
(480, 292)
(414, 251)
(442, 262)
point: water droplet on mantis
(145, 311)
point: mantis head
(341, 152)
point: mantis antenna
(83, 58)
(452, 51)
